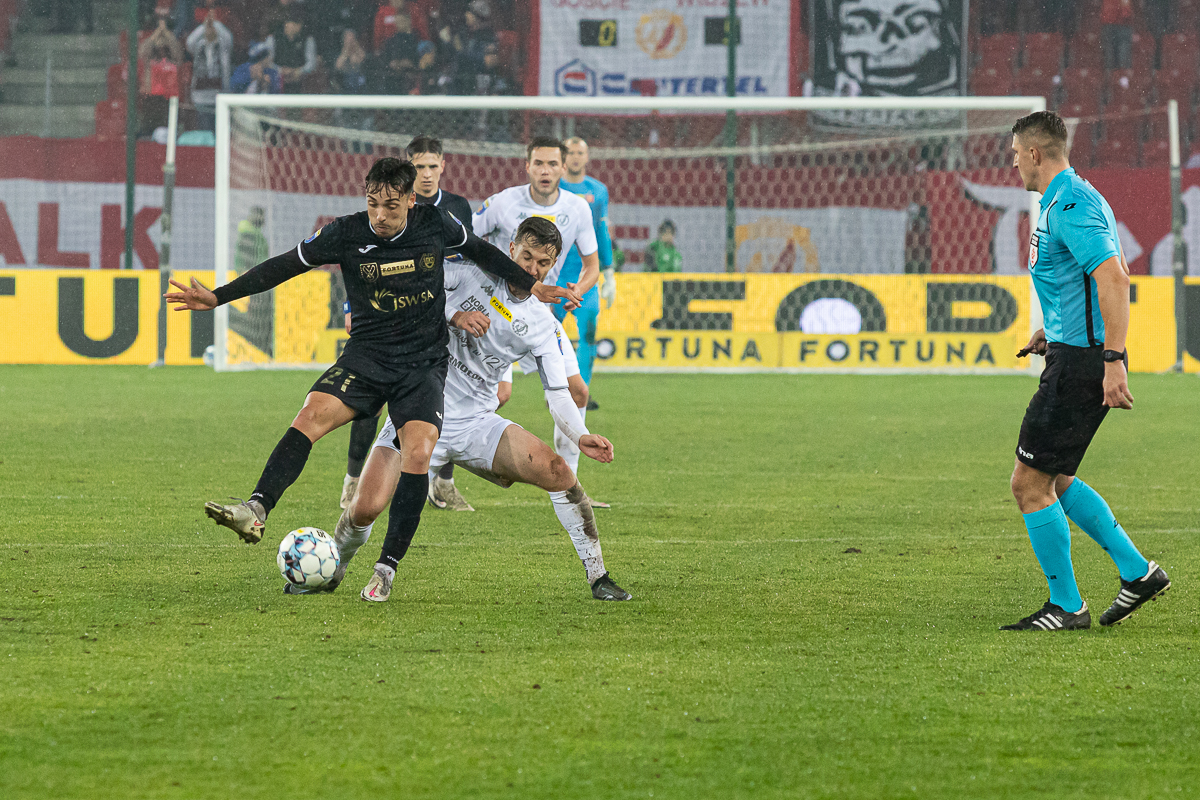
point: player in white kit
(497, 221)
(493, 324)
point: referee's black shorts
(416, 391)
(1066, 411)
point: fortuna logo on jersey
(504, 312)
(1033, 250)
(398, 267)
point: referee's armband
(345, 306)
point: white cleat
(443, 494)
(379, 588)
(239, 518)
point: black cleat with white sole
(1134, 594)
(1053, 618)
(605, 589)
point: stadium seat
(1034, 81)
(1180, 51)
(1128, 87)
(115, 83)
(1044, 51)
(1083, 145)
(1080, 110)
(991, 82)
(508, 48)
(1113, 153)
(1175, 84)
(1000, 48)
(110, 119)
(1086, 51)
(1081, 85)
(1156, 153)
(1144, 53)
(1123, 122)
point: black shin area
(362, 436)
(404, 516)
(283, 467)
(446, 473)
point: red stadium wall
(962, 234)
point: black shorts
(415, 392)
(1066, 411)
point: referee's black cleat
(605, 589)
(1134, 594)
(1052, 618)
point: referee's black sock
(283, 467)
(362, 436)
(404, 516)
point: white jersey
(502, 213)
(518, 328)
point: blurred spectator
(183, 14)
(160, 57)
(277, 13)
(399, 58)
(493, 78)
(210, 45)
(1158, 16)
(294, 52)
(386, 25)
(434, 74)
(662, 255)
(258, 75)
(252, 247)
(1117, 18)
(350, 69)
(478, 36)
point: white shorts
(469, 442)
(528, 364)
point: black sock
(362, 436)
(404, 516)
(283, 467)
(446, 473)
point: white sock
(356, 539)
(575, 513)
(566, 448)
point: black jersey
(394, 286)
(456, 204)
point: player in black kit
(425, 153)
(391, 261)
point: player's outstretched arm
(567, 419)
(196, 297)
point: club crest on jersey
(369, 271)
(315, 234)
(427, 260)
(1033, 249)
(519, 327)
(504, 312)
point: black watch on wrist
(1114, 355)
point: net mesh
(920, 196)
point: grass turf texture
(148, 653)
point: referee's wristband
(1113, 355)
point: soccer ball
(308, 557)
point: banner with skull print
(872, 48)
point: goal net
(810, 233)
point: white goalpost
(865, 234)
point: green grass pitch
(819, 565)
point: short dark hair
(1045, 126)
(666, 225)
(424, 144)
(545, 141)
(391, 173)
(539, 232)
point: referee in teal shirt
(1082, 282)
